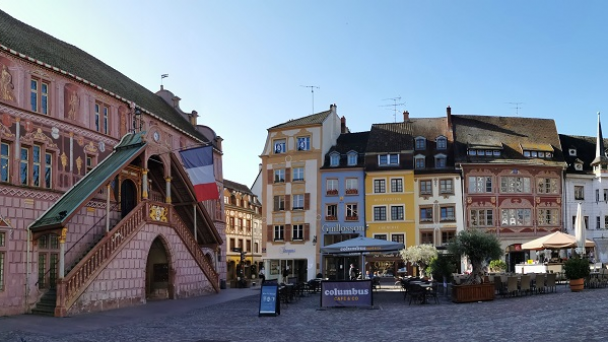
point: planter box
(472, 293)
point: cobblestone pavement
(561, 316)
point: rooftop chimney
(448, 112)
(406, 116)
(343, 125)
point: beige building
(290, 177)
(243, 213)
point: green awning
(62, 211)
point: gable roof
(45, 48)
(585, 151)
(237, 187)
(313, 119)
(390, 137)
(510, 133)
(348, 142)
(430, 128)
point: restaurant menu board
(269, 300)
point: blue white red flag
(199, 165)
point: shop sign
(338, 228)
(346, 293)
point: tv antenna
(394, 105)
(517, 106)
(312, 92)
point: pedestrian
(262, 274)
(352, 273)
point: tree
(420, 255)
(477, 246)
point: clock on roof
(156, 136)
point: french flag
(199, 165)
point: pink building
(96, 208)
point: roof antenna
(516, 106)
(394, 105)
(312, 91)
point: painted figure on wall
(6, 84)
(72, 105)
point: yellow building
(389, 191)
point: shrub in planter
(477, 246)
(576, 268)
(420, 255)
(442, 267)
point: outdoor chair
(524, 286)
(416, 293)
(551, 284)
(539, 284)
(498, 286)
(434, 292)
(512, 285)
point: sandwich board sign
(269, 300)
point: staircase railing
(186, 235)
(78, 279)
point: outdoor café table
(426, 286)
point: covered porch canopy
(557, 240)
(361, 245)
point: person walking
(352, 273)
(262, 275)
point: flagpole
(195, 237)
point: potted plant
(497, 266)
(420, 255)
(477, 246)
(576, 269)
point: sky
(246, 66)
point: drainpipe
(27, 263)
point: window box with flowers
(352, 218)
(333, 192)
(331, 218)
(352, 191)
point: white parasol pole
(579, 230)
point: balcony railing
(352, 218)
(352, 191)
(331, 218)
(332, 192)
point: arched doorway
(158, 268)
(128, 195)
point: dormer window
(303, 143)
(420, 143)
(572, 152)
(578, 166)
(388, 159)
(279, 146)
(352, 158)
(440, 161)
(538, 154)
(442, 143)
(334, 159)
(419, 162)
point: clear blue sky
(242, 64)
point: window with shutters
(279, 203)
(279, 232)
(298, 201)
(297, 232)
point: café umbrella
(579, 230)
(362, 245)
(556, 240)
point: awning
(557, 240)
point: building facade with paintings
(291, 200)
(343, 200)
(243, 213)
(512, 171)
(97, 209)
